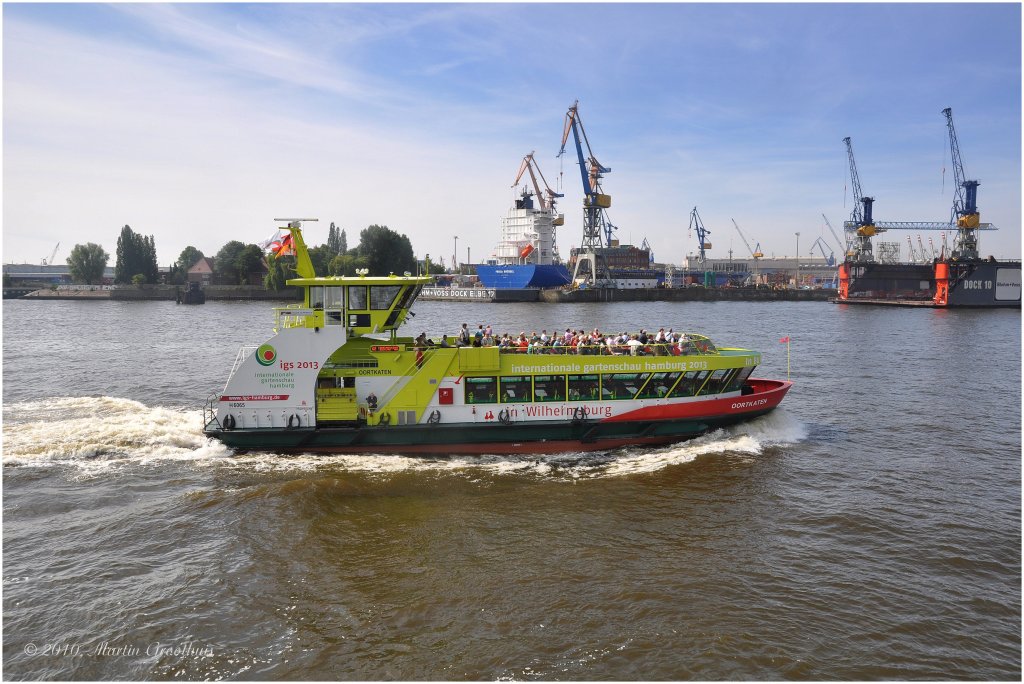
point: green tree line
(380, 251)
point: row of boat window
(360, 297)
(602, 386)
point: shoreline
(170, 293)
(477, 295)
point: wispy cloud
(199, 123)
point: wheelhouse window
(659, 385)
(481, 390)
(549, 388)
(334, 305)
(718, 381)
(381, 296)
(405, 299)
(316, 297)
(689, 384)
(515, 389)
(357, 297)
(584, 387)
(334, 297)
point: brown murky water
(869, 529)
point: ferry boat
(336, 377)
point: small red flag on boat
(784, 339)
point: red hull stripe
(255, 397)
(767, 395)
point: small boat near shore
(336, 377)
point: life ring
(579, 414)
(504, 416)
(385, 419)
(435, 417)
(294, 421)
(229, 422)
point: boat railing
(245, 352)
(210, 410)
(407, 375)
(694, 347)
(294, 316)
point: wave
(85, 429)
(100, 434)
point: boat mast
(303, 264)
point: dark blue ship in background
(522, 276)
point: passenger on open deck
(581, 342)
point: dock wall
(243, 292)
(685, 294)
(134, 293)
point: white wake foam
(101, 429)
(98, 434)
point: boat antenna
(303, 264)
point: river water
(868, 529)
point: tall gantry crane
(965, 216)
(965, 203)
(914, 256)
(843, 244)
(595, 220)
(825, 249)
(923, 252)
(53, 255)
(650, 251)
(861, 222)
(547, 198)
(702, 233)
(754, 251)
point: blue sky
(201, 123)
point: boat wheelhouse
(336, 377)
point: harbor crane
(650, 252)
(965, 202)
(823, 247)
(844, 244)
(53, 255)
(861, 222)
(965, 218)
(923, 253)
(754, 252)
(916, 256)
(547, 198)
(702, 233)
(595, 202)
